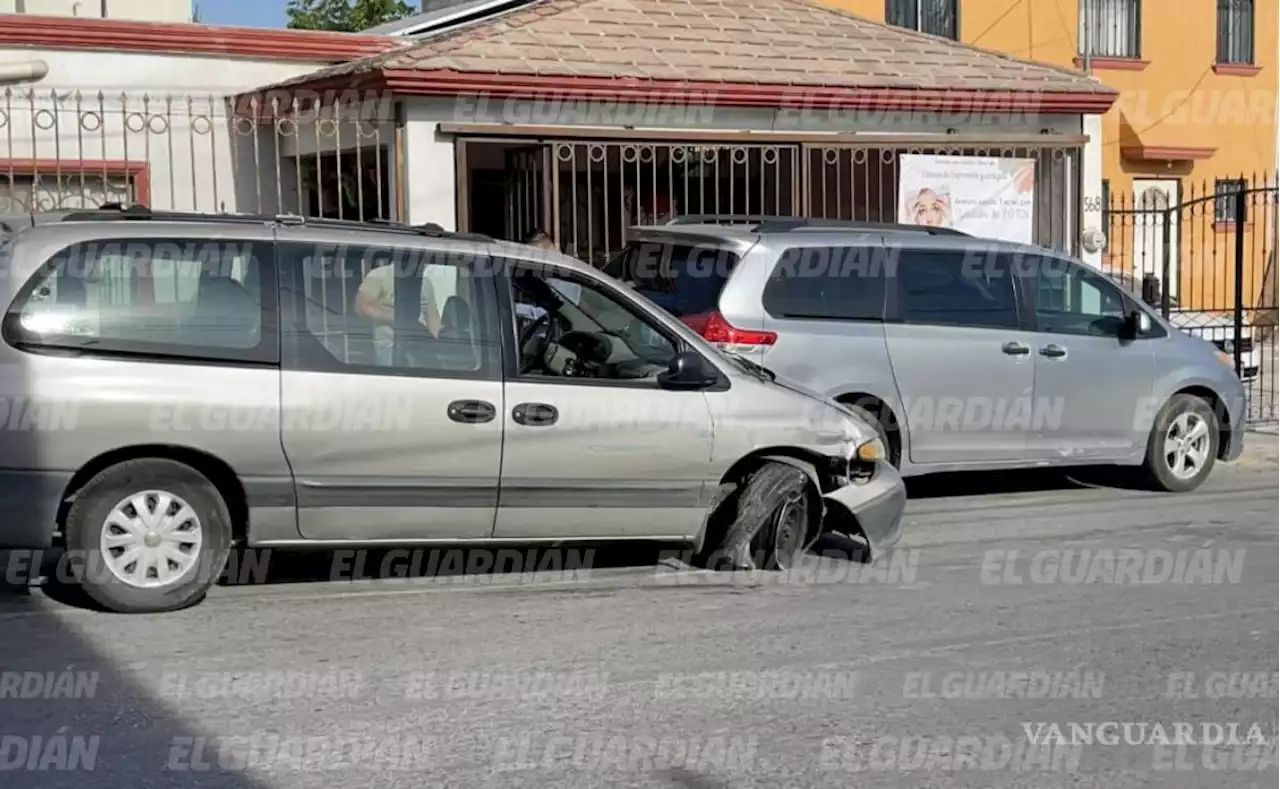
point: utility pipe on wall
(17, 73)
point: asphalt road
(1002, 614)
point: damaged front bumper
(872, 506)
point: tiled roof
(767, 42)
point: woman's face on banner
(929, 208)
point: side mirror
(687, 370)
(1138, 323)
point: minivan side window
(1071, 300)
(387, 311)
(941, 288)
(181, 297)
(569, 329)
(828, 283)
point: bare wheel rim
(1186, 445)
(151, 539)
(790, 520)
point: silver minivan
(965, 353)
(176, 385)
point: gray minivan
(178, 384)
(965, 353)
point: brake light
(714, 328)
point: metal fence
(73, 149)
(1208, 255)
(586, 193)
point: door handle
(535, 414)
(1016, 349)
(1054, 351)
(473, 412)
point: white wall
(168, 111)
(1092, 187)
(141, 10)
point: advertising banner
(989, 197)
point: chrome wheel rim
(1186, 445)
(151, 539)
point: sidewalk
(1261, 448)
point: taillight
(714, 328)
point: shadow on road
(990, 483)
(71, 717)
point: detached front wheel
(147, 536)
(1183, 445)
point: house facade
(577, 117)
(1194, 125)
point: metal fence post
(1238, 339)
(1166, 219)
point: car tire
(891, 448)
(772, 521)
(122, 513)
(1174, 461)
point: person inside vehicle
(566, 341)
(375, 300)
(568, 290)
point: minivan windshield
(683, 279)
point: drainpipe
(1088, 36)
(18, 73)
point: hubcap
(151, 539)
(1186, 445)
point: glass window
(1075, 301)
(928, 16)
(1226, 192)
(1235, 32)
(1110, 28)
(166, 296)
(684, 280)
(388, 310)
(938, 288)
(596, 337)
(825, 283)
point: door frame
(1143, 222)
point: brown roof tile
(796, 42)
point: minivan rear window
(682, 279)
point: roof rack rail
(721, 219)
(120, 211)
(783, 224)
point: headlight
(1226, 359)
(870, 451)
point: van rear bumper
(29, 502)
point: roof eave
(736, 94)
(183, 38)
(446, 82)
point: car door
(1095, 383)
(593, 446)
(391, 424)
(961, 357)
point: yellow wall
(1177, 100)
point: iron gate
(1207, 260)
